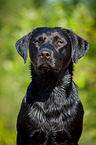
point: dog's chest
(53, 112)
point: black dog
(51, 112)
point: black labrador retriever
(51, 112)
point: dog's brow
(59, 36)
(43, 35)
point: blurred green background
(18, 18)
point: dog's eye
(59, 42)
(36, 42)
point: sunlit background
(18, 18)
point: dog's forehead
(47, 31)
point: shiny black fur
(51, 112)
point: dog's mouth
(46, 67)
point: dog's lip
(46, 66)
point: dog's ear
(79, 46)
(22, 45)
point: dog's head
(51, 48)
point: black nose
(44, 54)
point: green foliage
(19, 18)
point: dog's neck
(44, 82)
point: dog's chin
(46, 68)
